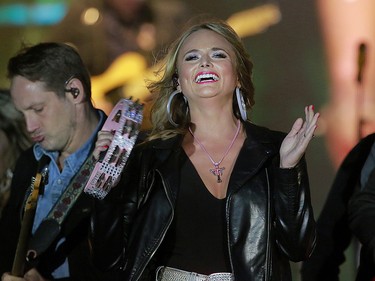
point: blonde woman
(210, 195)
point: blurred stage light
(46, 13)
(90, 16)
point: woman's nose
(206, 62)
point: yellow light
(254, 20)
(90, 16)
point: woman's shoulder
(157, 144)
(264, 134)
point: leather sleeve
(294, 218)
(333, 233)
(361, 216)
(112, 217)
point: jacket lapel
(168, 163)
(258, 147)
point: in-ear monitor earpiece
(73, 91)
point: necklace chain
(217, 170)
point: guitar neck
(26, 227)
(20, 255)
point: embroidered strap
(95, 177)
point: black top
(197, 239)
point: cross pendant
(217, 171)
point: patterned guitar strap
(96, 177)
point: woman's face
(206, 66)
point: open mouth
(206, 77)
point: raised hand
(102, 143)
(295, 143)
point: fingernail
(105, 146)
(312, 107)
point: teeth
(208, 76)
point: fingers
(311, 122)
(102, 143)
(104, 138)
(296, 142)
(7, 277)
(305, 129)
(33, 275)
(297, 127)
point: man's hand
(31, 275)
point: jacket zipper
(268, 253)
(268, 250)
(227, 219)
(162, 237)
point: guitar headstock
(36, 188)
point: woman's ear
(238, 83)
(175, 80)
(179, 88)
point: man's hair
(54, 64)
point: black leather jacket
(333, 226)
(268, 211)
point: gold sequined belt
(173, 274)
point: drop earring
(241, 104)
(169, 113)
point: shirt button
(59, 181)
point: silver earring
(241, 104)
(169, 114)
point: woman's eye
(220, 55)
(38, 109)
(191, 57)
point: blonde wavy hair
(163, 88)
(12, 123)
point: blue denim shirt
(59, 181)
